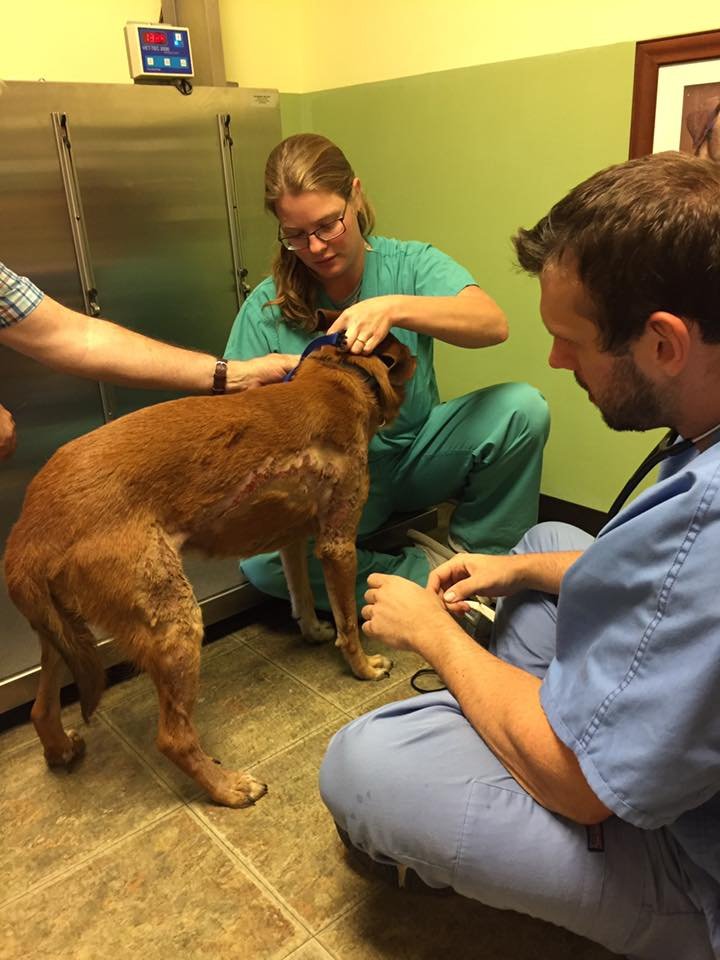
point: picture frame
(676, 83)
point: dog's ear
(398, 366)
(388, 360)
(397, 358)
(324, 319)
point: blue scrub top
(634, 690)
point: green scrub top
(391, 267)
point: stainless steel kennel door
(170, 188)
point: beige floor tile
(323, 668)
(52, 819)
(15, 737)
(311, 951)
(166, 893)
(248, 709)
(394, 925)
(289, 837)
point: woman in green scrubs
(483, 450)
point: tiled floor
(124, 856)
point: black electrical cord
(426, 672)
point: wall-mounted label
(264, 98)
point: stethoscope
(668, 447)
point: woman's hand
(366, 324)
(8, 439)
(468, 319)
(400, 613)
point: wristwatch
(220, 378)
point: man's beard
(629, 401)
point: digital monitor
(158, 51)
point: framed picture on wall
(676, 95)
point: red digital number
(154, 38)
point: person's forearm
(121, 356)
(75, 343)
(471, 319)
(542, 571)
(502, 703)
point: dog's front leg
(339, 561)
(294, 562)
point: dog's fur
(99, 538)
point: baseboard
(587, 519)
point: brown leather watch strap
(220, 379)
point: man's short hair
(643, 236)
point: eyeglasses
(324, 233)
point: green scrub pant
(484, 450)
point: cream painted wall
(304, 45)
(72, 40)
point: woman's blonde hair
(299, 164)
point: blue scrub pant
(413, 783)
(484, 449)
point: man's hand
(399, 612)
(8, 439)
(467, 574)
(246, 374)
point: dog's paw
(70, 753)
(381, 666)
(376, 667)
(318, 632)
(233, 789)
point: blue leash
(330, 339)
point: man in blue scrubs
(572, 771)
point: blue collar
(330, 339)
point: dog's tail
(66, 630)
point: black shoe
(393, 874)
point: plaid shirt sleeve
(18, 297)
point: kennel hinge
(240, 273)
(81, 245)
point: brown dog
(101, 529)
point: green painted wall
(296, 113)
(462, 158)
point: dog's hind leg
(174, 665)
(166, 640)
(339, 562)
(294, 562)
(61, 748)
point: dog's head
(389, 367)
